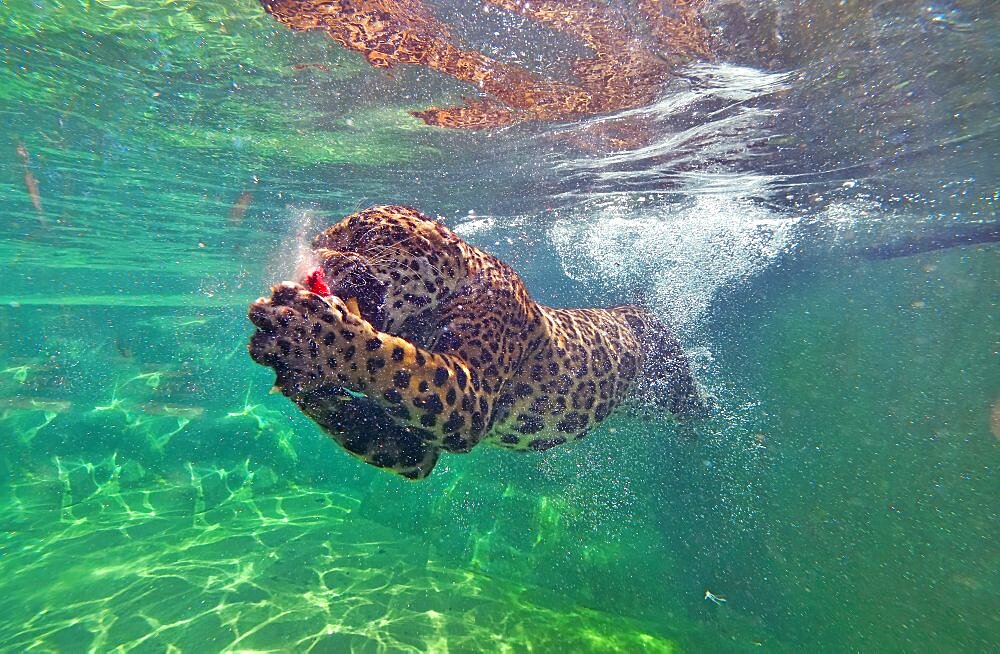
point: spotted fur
(426, 343)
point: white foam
(681, 255)
(708, 117)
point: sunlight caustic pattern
(109, 558)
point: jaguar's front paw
(296, 329)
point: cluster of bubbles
(677, 257)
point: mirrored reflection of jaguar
(633, 47)
(406, 341)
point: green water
(155, 497)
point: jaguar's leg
(314, 342)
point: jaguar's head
(393, 266)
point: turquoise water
(844, 497)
